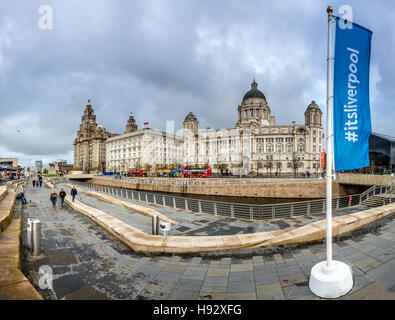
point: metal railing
(207, 181)
(390, 197)
(239, 210)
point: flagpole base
(331, 282)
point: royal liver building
(257, 144)
(89, 146)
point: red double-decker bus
(137, 173)
(188, 172)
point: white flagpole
(330, 279)
(329, 137)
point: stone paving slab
(97, 265)
(190, 223)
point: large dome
(254, 92)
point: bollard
(36, 237)
(29, 233)
(155, 225)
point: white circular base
(331, 283)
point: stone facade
(89, 146)
(257, 144)
(143, 149)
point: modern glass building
(381, 153)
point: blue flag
(351, 108)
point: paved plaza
(89, 263)
(197, 224)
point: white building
(38, 166)
(257, 144)
(142, 149)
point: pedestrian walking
(62, 195)
(73, 193)
(40, 179)
(53, 198)
(34, 183)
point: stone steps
(13, 284)
(376, 201)
(7, 209)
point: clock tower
(89, 146)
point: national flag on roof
(145, 123)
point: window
(289, 165)
(269, 148)
(279, 148)
(260, 149)
(314, 149)
(301, 147)
(289, 148)
(301, 165)
(279, 165)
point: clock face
(91, 121)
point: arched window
(301, 147)
(300, 140)
(260, 149)
(289, 165)
(269, 148)
(279, 165)
(279, 148)
(289, 148)
(301, 165)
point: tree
(147, 167)
(278, 168)
(259, 165)
(295, 162)
(222, 167)
(269, 164)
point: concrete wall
(303, 190)
(364, 179)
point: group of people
(62, 194)
(38, 182)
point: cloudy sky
(161, 59)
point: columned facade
(257, 144)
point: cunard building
(143, 149)
(89, 146)
(257, 144)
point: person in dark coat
(62, 195)
(40, 179)
(53, 198)
(34, 183)
(73, 193)
(21, 196)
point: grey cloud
(162, 59)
